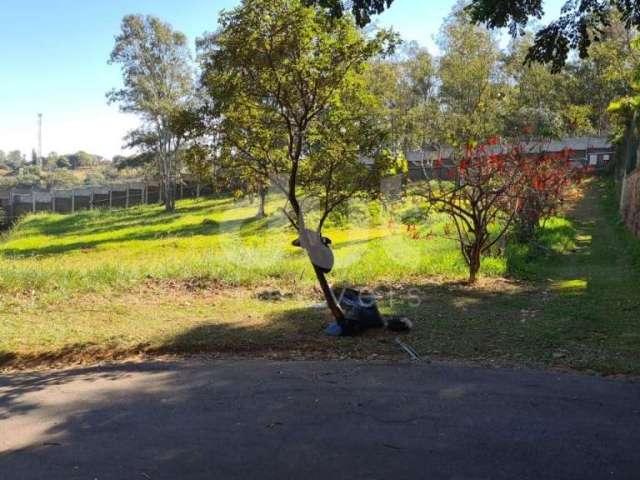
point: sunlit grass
(219, 240)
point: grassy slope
(101, 285)
(210, 239)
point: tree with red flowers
(480, 193)
(547, 179)
(491, 187)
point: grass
(97, 285)
(218, 240)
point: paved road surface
(326, 420)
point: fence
(630, 202)
(627, 175)
(19, 201)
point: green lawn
(112, 284)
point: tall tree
(605, 75)
(470, 88)
(406, 88)
(158, 83)
(286, 82)
(579, 25)
(536, 98)
(420, 87)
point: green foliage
(386, 162)
(415, 215)
(578, 119)
(362, 10)
(14, 159)
(579, 27)
(60, 179)
(287, 85)
(158, 86)
(469, 91)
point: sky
(53, 60)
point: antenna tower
(40, 141)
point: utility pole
(40, 141)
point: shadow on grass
(92, 222)
(244, 227)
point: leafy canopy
(286, 82)
(580, 23)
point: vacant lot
(211, 278)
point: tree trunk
(527, 221)
(169, 195)
(262, 196)
(167, 180)
(474, 264)
(295, 151)
(329, 296)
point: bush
(417, 215)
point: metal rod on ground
(410, 351)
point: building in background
(593, 152)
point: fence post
(146, 194)
(53, 201)
(110, 198)
(126, 196)
(73, 201)
(91, 200)
(11, 209)
(33, 200)
(197, 190)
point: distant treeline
(61, 171)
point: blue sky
(53, 59)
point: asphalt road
(316, 420)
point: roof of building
(571, 143)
